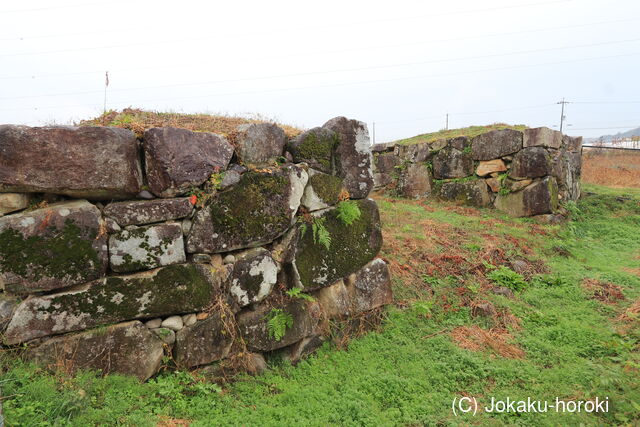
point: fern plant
(278, 321)
(297, 293)
(348, 212)
(504, 276)
(320, 233)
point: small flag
(106, 82)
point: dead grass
(603, 291)
(613, 168)
(496, 341)
(138, 121)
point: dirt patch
(173, 422)
(496, 341)
(603, 291)
(614, 168)
(634, 271)
(632, 313)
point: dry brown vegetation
(138, 120)
(497, 341)
(613, 168)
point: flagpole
(106, 83)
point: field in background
(567, 325)
(138, 120)
(614, 168)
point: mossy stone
(53, 247)
(352, 246)
(316, 147)
(176, 289)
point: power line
(306, 28)
(338, 84)
(323, 52)
(313, 73)
(68, 6)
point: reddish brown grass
(497, 341)
(603, 291)
(613, 168)
(139, 120)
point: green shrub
(504, 276)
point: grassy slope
(574, 346)
(470, 132)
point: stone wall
(523, 173)
(116, 252)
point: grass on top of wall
(139, 120)
(470, 132)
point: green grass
(409, 372)
(470, 132)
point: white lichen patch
(298, 178)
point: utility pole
(562, 117)
(446, 126)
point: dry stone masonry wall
(523, 173)
(117, 252)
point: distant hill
(609, 138)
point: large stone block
(146, 248)
(8, 305)
(206, 341)
(572, 143)
(87, 162)
(495, 144)
(416, 153)
(148, 211)
(178, 159)
(474, 192)
(541, 197)
(322, 191)
(385, 171)
(415, 181)
(257, 210)
(127, 349)
(452, 163)
(532, 162)
(253, 276)
(370, 287)
(488, 167)
(542, 137)
(306, 317)
(354, 162)
(316, 147)
(352, 246)
(176, 289)
(61, 245)
(11, 202)
(259, 143)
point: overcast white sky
(401, 64)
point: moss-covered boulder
(127, 349)
(540, 197)
(354, 161)
(322, 191)
(316, 264)
(206, 341)
(142, 212)
(146, 248)
(54, 247)
(94, 162)
(257, 210)
(472, 192)
(452, 163)
(178, 159)
(253, 276)
(495, 144)
(532, 162)
(316, 147)
(415, 181)
(176, 289)
(268, 328)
